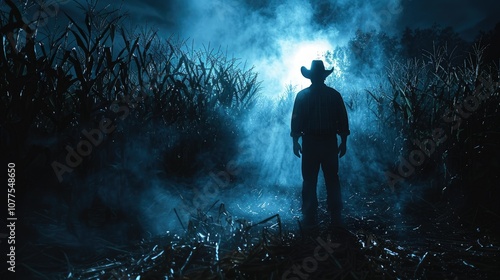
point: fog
(263, 177)
(277, 38)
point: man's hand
(297, 150)
(342, 149)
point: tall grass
(71, 78)
(459, 95)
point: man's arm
(343, 128)
(297, 149)
(343, 144)
(296, 125)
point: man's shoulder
(325, 89)
(332, 90)
(336, 95)
(303, 93)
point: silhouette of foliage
(415, 42)
(74, 79)
(490, 39)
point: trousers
(320, 152)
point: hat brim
(310, 74)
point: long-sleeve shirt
(319, 110)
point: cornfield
(439, 91)
(62, 82)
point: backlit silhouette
(319, 115)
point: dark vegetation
(439, 82)
(185, 105)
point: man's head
(317, 73)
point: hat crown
(317, 66)
(317, 70)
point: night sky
(467, 17)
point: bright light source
(281, 69)
(297, 54)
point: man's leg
(330, 167)
(310, 170)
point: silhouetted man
(319, 115)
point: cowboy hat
(317, 70)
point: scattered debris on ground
(221, 246)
